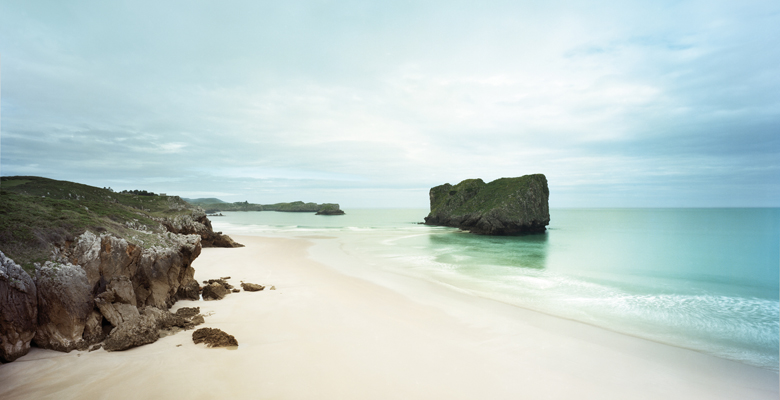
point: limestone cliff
(197, 223)
(81, 264)
(502, 207)
(18, 311)
(98, 283)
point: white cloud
(377, 97)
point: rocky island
(81, 265)
(504, 206)
(329, 209)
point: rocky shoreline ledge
(92, 266)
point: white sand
(328, 335)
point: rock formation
(102, 283)
(115, 264)
(64, 304)
(329, 209)
(214, 291)
(502, 207)
(251, 287)
(197, 223)
(213, 337)
(149, 325)
(18, 310)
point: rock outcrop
(115, 263)
(502, 207)
(197, 223)
(64, 304)
(102, 282)
(330, 209)
(18, 310)
(251, 287)
(150, 324)
(213, 337)
(214, 291)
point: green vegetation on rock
(501, 207)
(209, 200)
(36, 212)
(329, 209)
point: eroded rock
(213, 337)
(64, 304)
(151, 324)
(502, 207)
(214, 291)
(251, 287)
(18, 310)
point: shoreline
(349, 333)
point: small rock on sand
(214, 291)
(252, 287)
(213, 337)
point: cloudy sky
(369, 104)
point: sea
(703, 279)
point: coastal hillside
(502, 207)
(80, 265)
(197, 202)
(39, 213)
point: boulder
(252, 287)
(222, 281)
(117, 313)
(189, 317)
(140, 331)
(151, 324)
(64, 304)
(18, 310)
(214, 291)
(213, 337)
(502, 207)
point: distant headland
(213, 205)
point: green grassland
(37, 212)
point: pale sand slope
(326, 335)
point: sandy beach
(328, 333)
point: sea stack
(330, 209)
(504, 206)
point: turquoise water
(704, 279)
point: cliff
(79, 264)
(502, 207)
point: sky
(370, 104)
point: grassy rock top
(501, 207)
(36, 212)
